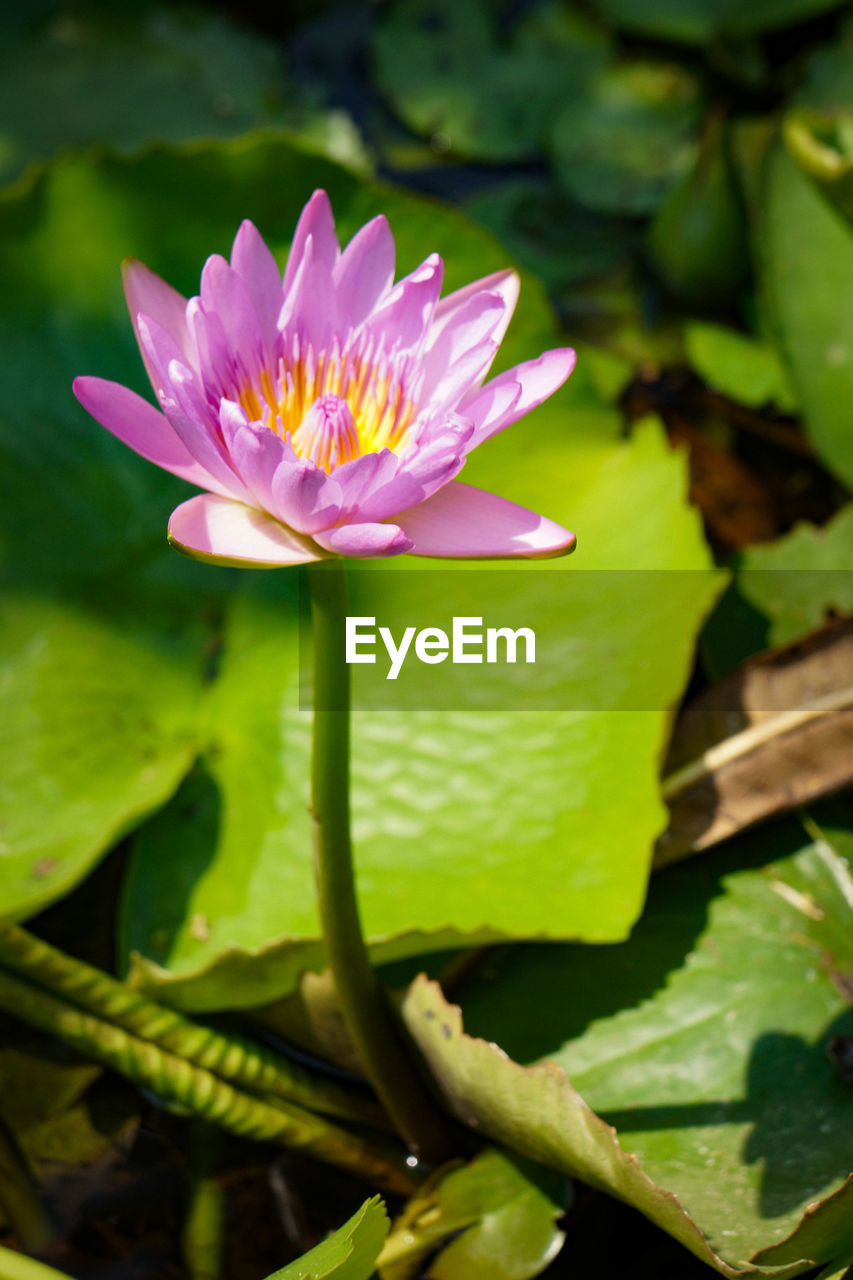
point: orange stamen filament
(333, 406)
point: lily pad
(621, 145)
(702, 1040)
(96, 73)
(802, 579)
(452, 76)
(97, 732)
(740, 366)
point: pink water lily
(328, 412)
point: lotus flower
(328, 413)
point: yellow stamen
(374, 401)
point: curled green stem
(370, 1022)
(234, 1058)
(184, 1084)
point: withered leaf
(775, 734)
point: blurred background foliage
(675, 181)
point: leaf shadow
(183, 838)
(793, 1097)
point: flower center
(327, 434)
(336, 405)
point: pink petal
(255, 452)
(253, 262)
(511, 395)
(221, 531)
(310, 309)
(364, 540)
(466, 523)
(305, 497)
(138, 424)
(459, 352)
(403, 317)
(504, 283)
(317, 223)
(225, 298)
(147, 293)
(184, 404)
(365, 271)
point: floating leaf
(803, 578)
(621, 146)
(741, 367)
(97, 732)
(349, 1254)
(103, 74)
(442, 66)
(493, 1218)
(702, 1040)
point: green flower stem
(367, 1014)
(17, 1266)
(19, 1195)
(203, 1236)
(180, 1083)
(234, 1058)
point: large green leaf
(220, 892)
(702, 1040)
(88, 73)
(109, 634)
(806, 249)
(350, 1253)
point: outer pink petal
(511, 395)
(185, 406)
(365, 271)
(221, 531)
(504, 283)
(461, 522)
(253, 262)
(364, 540)
(139, 425)
(147, 293)
(317, 223)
